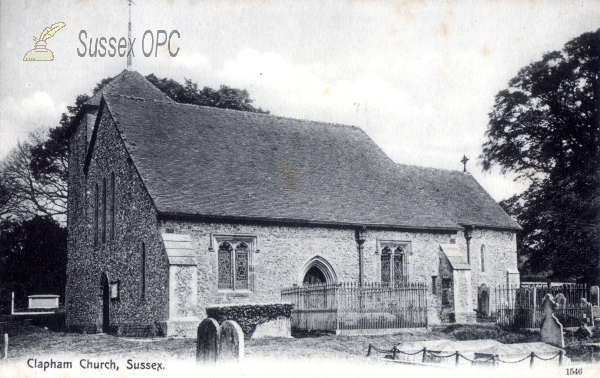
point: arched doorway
(317, 270)
(314, 276)
(105, 303)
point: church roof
(224, 163)
(461, 196)
(213, 162)
(129, 83)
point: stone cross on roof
(464, 161)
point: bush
(248, 316)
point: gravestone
(551, 331)
(231, 342)
(561, 301)
(584, 303)
(595, 295)
(595, 312)
(207, 350)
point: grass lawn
(347, 351)
(33, 341)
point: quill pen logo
(40, 53)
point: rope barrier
(410, 354)
(472, 361)
(514, 362)
(457, 355)
(439, 355)
(547, 359)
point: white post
(12, 302)
(5, 346)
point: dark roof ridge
(433, 168)
(138, 98)
(181, 104)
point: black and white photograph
(266, 188)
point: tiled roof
(461, 196)
(130, 83)
(225, 163)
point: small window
(483, 258)
(143, 270)
(112, 206)
(434, 285)
(104, 210)
(96, 214)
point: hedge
(248, 316)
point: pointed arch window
(225, 266)
(143, 270)
(234, 261)
(399, 277)
(104, 222)
(96, 213)
(386, 267)
(394, 263)
(241, 266)
(112, 206)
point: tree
(34, 176)
(32, 257)
(225, 97)
(23, 194)
(546, 128)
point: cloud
(19, 117)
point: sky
(419, 77)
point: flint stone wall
(120, 259)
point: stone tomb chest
(43, 301)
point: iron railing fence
(521, 307)
(348, 305)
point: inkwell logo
(40, 53)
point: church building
(173, 207)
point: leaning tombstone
(583, 303)
(561, 301)
(231, 342)
(551, 331)
(207, 350)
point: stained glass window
(386, 255)
(398, 266)
(241, 266)
(225, 266)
